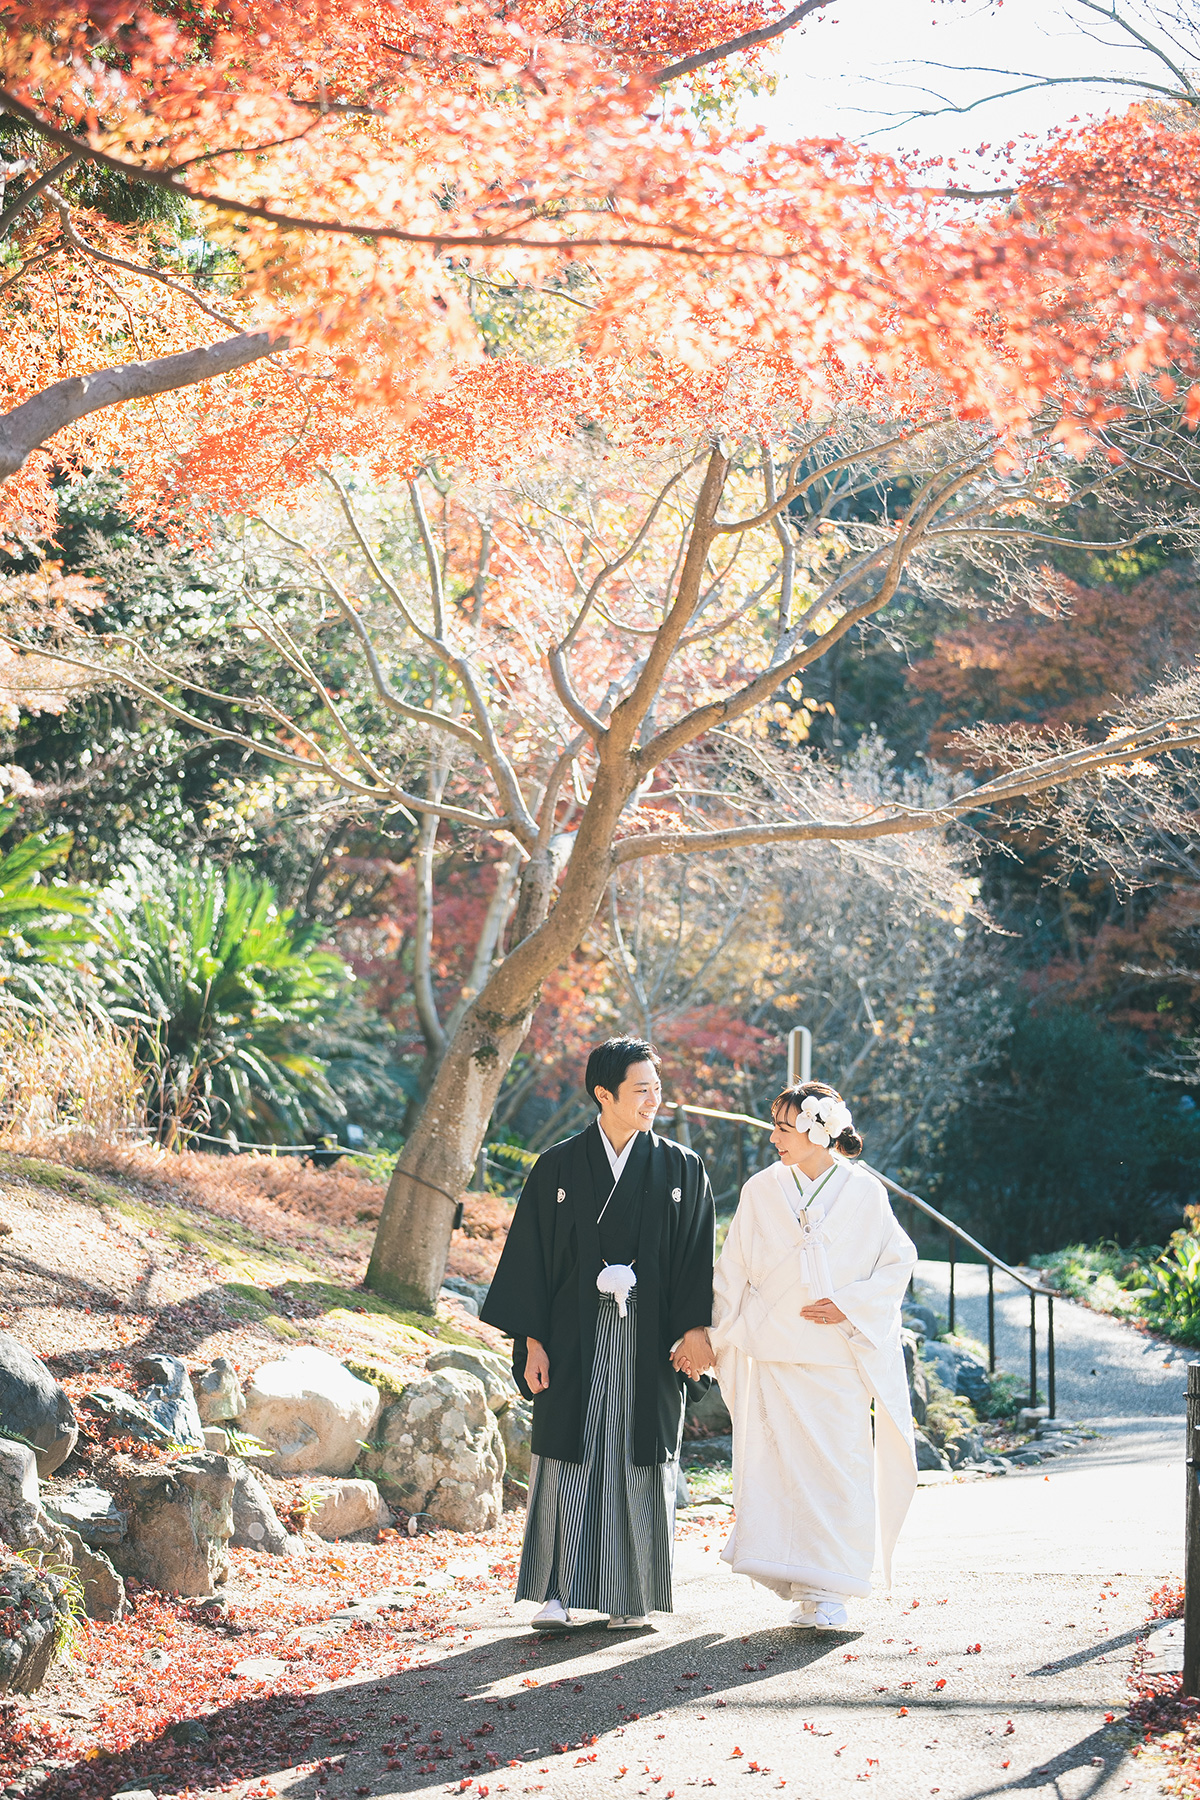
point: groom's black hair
(608, 1062)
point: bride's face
(792, 1146)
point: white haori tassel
(619, 1280)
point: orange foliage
(362, 165)
(1039, 670)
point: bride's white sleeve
(872, 1306)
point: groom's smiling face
(636, 1103)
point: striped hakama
(598, 1533)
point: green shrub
(1174, 1300)
(1103, 1276)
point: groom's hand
(693, 1354)
(537, 1367)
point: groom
(605, 1287)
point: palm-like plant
(44, 923)
(228, 996)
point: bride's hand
(694, 1353)
(823, 1312)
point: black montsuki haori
(661, 1221)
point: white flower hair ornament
(824, 1118)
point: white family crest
(677, 1195)
(562, 1194)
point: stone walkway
(999, 1665)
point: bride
(805, 1336)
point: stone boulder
(103, 1589)
(34, 1406)
(962, 1371)
(963, 1447)
(24, 1524)
(180, 1524)
(256, 1524)
(169, 1400)
(33, 1610)
(311, 1411)
(128, 1415)
(492, 1370)
(921, 1319)
(928, 1454)
(516, 1428)
(346, 1507)
(470, 1295)
(439, 1452)
(219, 1393)
(918, 1384)
(89, 1511)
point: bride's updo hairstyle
(821, 1108)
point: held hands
(537, 1367)
(693, 1353)
(822, 1312)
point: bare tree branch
(703, 59)
(65, 402)
(54, 173)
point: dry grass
(65, 1075)
(282, 1200)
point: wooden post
(1191, 1564)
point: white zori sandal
(553, 1617)
(819, 1615)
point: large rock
(918, 1384)
(256, 1524)
(103, 1589)
(923, 1318)
(23, 1522)
(928, 1454)
(33, 1610)
(516, 1428)
(169, 1400)
(963, 1447)
(492, 1370)
(34, 1406)
(180, 1524)
(219, 1393)
(346, 1507)
(91, 1512)
(311, 1411)
(962, 1371)
(439, 1452)
(128, 1415)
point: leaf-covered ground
(205, 1256)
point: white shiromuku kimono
(807, 1470)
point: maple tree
(683, 591)
(319, 208)
(722, 398)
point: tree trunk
(435, 1166)
(413, 1239)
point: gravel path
(1106, 1372)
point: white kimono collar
(810, 1228)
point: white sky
(844, 73)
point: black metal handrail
(955, 1235)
